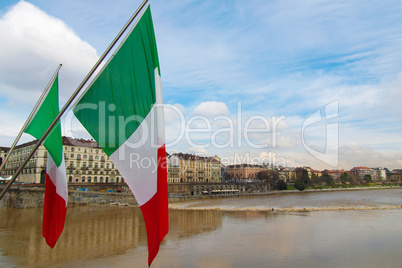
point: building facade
(85, 162)
(244, 172)
(362, 172)
(183, 168)
(380, 174)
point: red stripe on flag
(155, 211)
(54, 214)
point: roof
(360, 168)
(80, 142)
(195, 157)
(245, 165)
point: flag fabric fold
(56, 191)
(122, 110)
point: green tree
(300, 186)
(304, 177)
(345, 177)
(367, 178)
(282, 185)
(315, 179)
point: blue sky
(249, 61)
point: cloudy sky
(300, 83)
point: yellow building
(191, 168)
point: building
(380, 174)
(183, 168)
(335, 173)
(85, 162)
(395, 175)
(244, 172)
(34, 171)
(362, 172)
(3, 153)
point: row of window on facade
(84, 165)
(94, 180)
(85, 150)
(89, 172)
(90, 157)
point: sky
(294, 83)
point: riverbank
(32, 197)
(275, 192)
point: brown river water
(334, 229)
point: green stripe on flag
(124, 92)
(43, 118)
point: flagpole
(71, 99)
(29, 118)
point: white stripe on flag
(137, 160)
(58, 177)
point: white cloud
(211, 108)
(197, 151)
(33, 44)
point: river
(334, 229)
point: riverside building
(183, 168)
(85, 162)
(244, 172)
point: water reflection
(90, 232)
(111, 236)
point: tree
(300, 186)
(327, 179)
(282, 185)
(355, 180)
(228, 176)
(367, 178)
(345, 177)
(263, 175)
(314, 178)
(304, 177)
(267, 175)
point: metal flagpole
(76, 92)
(44, 93)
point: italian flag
(56, 191)
(122, 110)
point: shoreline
(279, 192)
(31, 198)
